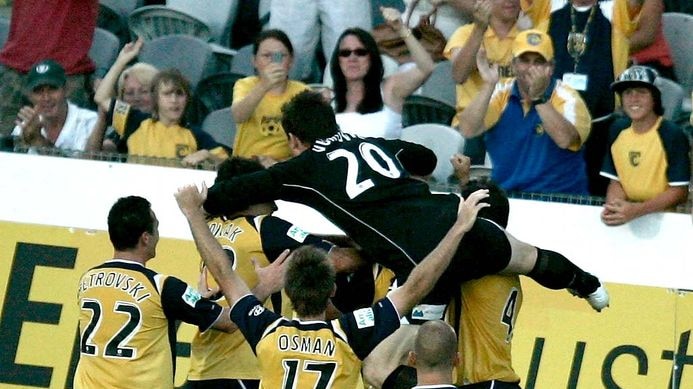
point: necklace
(577, 41)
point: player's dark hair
(236, 166)
(372, 98)
(273, 34)
(499, 210)
(309, 280)
(309, 117)
(128, 219)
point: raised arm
(471, 120)
(464, 58)
(190, 201)
(425, 275)
(106, 89)
(649, 23)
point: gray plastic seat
(154, 21)
(104, 50)
(191, 55)
(220, 125)
(443, 140)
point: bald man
(435, 355)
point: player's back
(124, 331)
(312, 354)
(362, 187)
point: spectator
(132, 90)
(591, 48)
(310, 282)
(648, 161)
(257, 100)
(61, 30)
(128, 332)
(648, 45)
(367, 105)
(307, 21)
(52, 120)
(533, 125)
(496, 24)
(250, 236)
(164, 135)
(434, 355)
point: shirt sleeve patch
(297, 234)
(364, 317)
(191, 296)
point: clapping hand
(538, 79)
(482, 13)
(488, 72)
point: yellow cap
(533, 41)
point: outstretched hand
(271, 277)
(130, 51)
(469, 208)
(461, 166)
(190, 199)
(392, 17)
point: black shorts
(484, 250)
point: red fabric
(658, 51)
(61, 30)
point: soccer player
(222, 360)
(361, 186)
(128, 312)
(309, 351)
(434, 356)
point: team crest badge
(634, 158)
(539, 129)
(533, 39)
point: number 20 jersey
(362, 187)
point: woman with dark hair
(365, 103)
(257, 100)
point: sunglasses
(359, 52)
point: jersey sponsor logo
(306, 345)
(115, 280)
(428, 312)
(297, 234)
(256, 311)
(364, 317)
(191, 296)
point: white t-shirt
(385, 123)
(76, 130)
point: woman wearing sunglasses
(365, 103)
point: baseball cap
(533, 41)
(640, 76)
(636, 76)
(46, 72)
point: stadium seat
(242, 62)
(220, 125)
(442, 139)
(191, 55)
(672, 97)
(154, 21)
(219, 15)
(678, 29)
(440, 85)
(104, 50)
(421, 109)
(215, 92)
